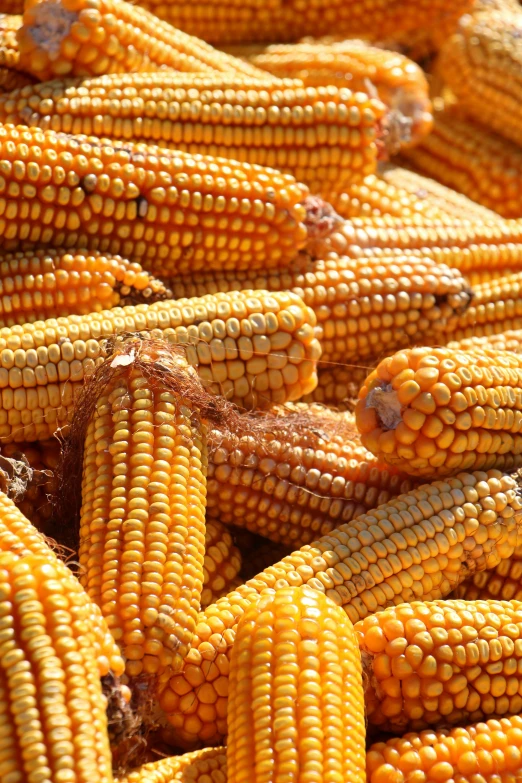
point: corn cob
(10, 76)
(94, 37)
(363, 306)
(441, 662)
(502, 583)
(222, 563)
(444, 199)
(253, 348)
(302, 478)
(481, 64)
(506, 341)
(399, 82)
(324, 136)
(40, 284)
(338, 387)
(245, 22)
(296, 692)
(474, 161)
(173, 211)
(53, 721)
(433, 411)
(202, 766)
(374, 197)
(481, 276)
(496, 308)
(420, 545)
(486, 752)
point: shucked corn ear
(172, 211)
(442, 662)
(324, 136)
(496, 308)
(253, 347)
(433, 411)
(488, 752)
(399, 82)
(481, 64)
(502, 583)
(222, 562)
(296, 699)
(10, 76)
(80, 37)
(417, 546)
(474, 161)
(142, 524)
(201, 766)
(254, 20)
(303, 477)
(363, 306)
(40, 284)
(53, 722)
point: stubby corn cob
(474, 161)
(440, 197)
(10, 75)
(489, 752)
(296, 699)
(398, 81)
(252, 347)
(496, 308)
(254, 20)
(441, 663)
(432, 411)
(481, 64)
(363, 306)
(324, 136)
(222, 563)
(302, 478)
(53, 723)
(202, 766)
(40, 284)
(502, 583)
(338, 387)
(172, 211)
(81, 37)
(418, 546)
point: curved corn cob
(481, 64)
(306, 476)
(501, 583)
(441, 662)
(10, 76)
(202, 766)
(255, 20)
(496, 307)
(338, 387)
(432, 411)
(323, 136)
(374, 197)
(296, 694)
(173, 211)
(506, 341)
(40, 284)
(222, 562)
(363, 306)
(472, 160)
(420, 545)
(444, 199)
(488, 752)
(252, 347)
(80, 37)
(53, 721)
(398, 81)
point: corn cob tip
(321, 218)
(395, 133)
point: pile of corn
(260, 391)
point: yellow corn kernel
(472, 160)
(40, 284)
(338, 387)
(296, 693)
(200, 766)
(510, 340)
(441, 662)
(501, 583)
(496, 308)
(222, 563)
(171, 211)
(398, 81)
(53, 720)
(477, 394)
(481, 751)
(300, 478)
(374, 197)
(10, 75)
(80, 37)
(323, 136)
(142, 524)
(364, 306)
(234, 340)
(418, 546)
